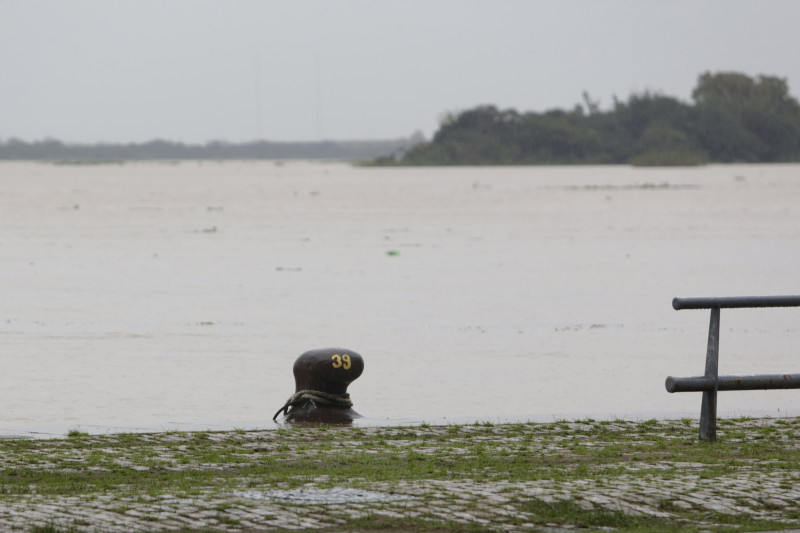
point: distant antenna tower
(319, 135)
(258, 96)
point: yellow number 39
(341, 361)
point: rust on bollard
(321, 380)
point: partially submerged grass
(544, 474)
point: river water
(149, 296)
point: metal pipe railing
(710, 383)
(760, 382)
(735, 302)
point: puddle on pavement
(321, 496)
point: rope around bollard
(315, 397)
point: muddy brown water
(147, 296)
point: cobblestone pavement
(667, 488)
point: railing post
(708, 410)
(711, 382)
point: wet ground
(146, 296)
(716, 494)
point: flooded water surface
(160, 296)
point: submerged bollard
(321, 378)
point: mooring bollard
(711, 382)
(321, 379)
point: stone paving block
(387, 512)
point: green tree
(734, 118)
(747, 119)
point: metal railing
(711, 382)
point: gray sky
(238, 70)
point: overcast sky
(238, 70)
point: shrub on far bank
(734, 119)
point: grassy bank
(646, 476)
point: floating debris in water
(632, 187)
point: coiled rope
(315, 397)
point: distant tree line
(54, 150)
(734, 118)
